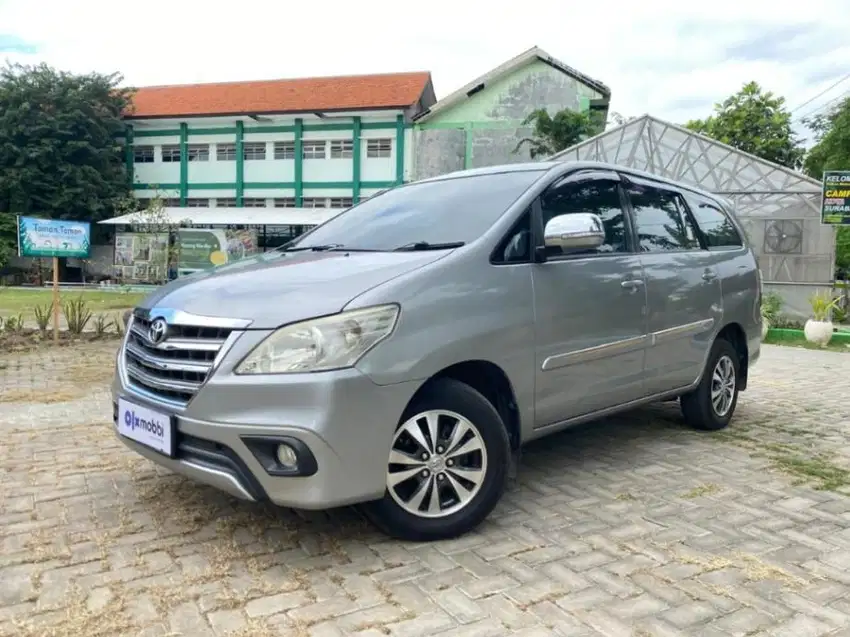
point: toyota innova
(400, 354)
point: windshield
(455, 210)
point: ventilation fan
(783, 237)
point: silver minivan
(399, 355)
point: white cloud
(670, 58)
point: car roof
(564, 167)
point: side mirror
(581, 231)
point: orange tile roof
(281, 96)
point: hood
(275, 288)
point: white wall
(377, 169)
(268, 170)
(158, 172)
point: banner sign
(53, 238)
(141, 256)
(203, 249)
(836, 197)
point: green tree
(832, 152)
(8, 238)
(756, 122)
(832, 140)
(60, 150)
(554, 134)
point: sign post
(55, 299)
(835, 206)
(53, 238)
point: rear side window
(661, 220)
(715, 225)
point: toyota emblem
(157, 331)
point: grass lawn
(14, 301)
(833, 346)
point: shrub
(822, 304)
(14, 324)
(43, 314)
(771, 304)
(118, 325)
(101, 323)
(77, 315)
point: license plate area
(149, 427)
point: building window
(171, 153)
(253, 202)
(341, 202)
(254, 151)
(377, 148)
(284, 150)
(225, 203)
(314, 149)
(142, 204)
(143, 154)
(225, 152)
(342, 149)
(197, 203)
(198, 152)
(172, 202)
(314, 202)
(284, 202)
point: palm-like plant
(554, 134)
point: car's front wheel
(447, 466)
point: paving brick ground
(632, 526)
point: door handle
(632, 284)
(708, 275)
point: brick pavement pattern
(632, 526)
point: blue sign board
(53, 238)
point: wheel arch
(490, 381)
(734, 333)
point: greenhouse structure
(780, 209)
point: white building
(296, 143)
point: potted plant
(771, 303)
(818, 329)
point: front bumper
(342, 418)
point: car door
(684, 299)
(590, 323)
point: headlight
(317, 345)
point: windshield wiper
(424, 245)
(327, 248)
(319, 248)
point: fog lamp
(287, 457)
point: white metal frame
(760, 191)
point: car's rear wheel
(711, 405)
(447, 466)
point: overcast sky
(670, 58)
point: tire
(408, 510)
(700, 410)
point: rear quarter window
(714, 223)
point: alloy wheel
(437, 464)
(723, 386)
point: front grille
(175, 368)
